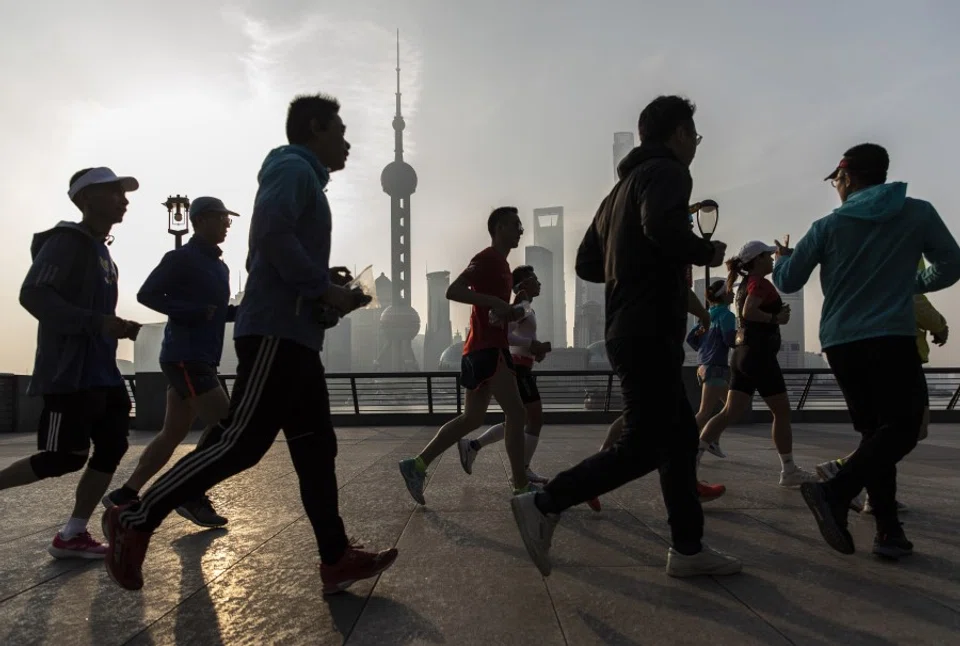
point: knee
(108, 453)
(51, 464)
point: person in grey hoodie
(71, 289)
(291, 297)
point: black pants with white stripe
(280, 385)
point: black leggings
(756, 370)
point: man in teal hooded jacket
(868, 250)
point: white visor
(102, 175)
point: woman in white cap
(754, 366)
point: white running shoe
(706, 562)
(536, 529)
(714, 448)
(797, 477)
(467, 455)
(536, 478)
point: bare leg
(781, 430)
(736, 406)
(176, 424)
(475, 406)
(503, 386)
(17, 474)
(93, 484)
(710, 396)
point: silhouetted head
(862, 166)
(668, 120)
(525, 280)
(718, 294)
(211, 219)
(101, 196)
(504, 227)
(314, 121)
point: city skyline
(527, 123)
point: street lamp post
(708, 215)
(178, 224)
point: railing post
(953, 400)
(606, 400)
(429, 395)
(806, 391)
(356, 399)
(459, 397)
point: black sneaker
(831, 518)
(892, 545)
(200, 512)
(119, 497)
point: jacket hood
(39, 239)
(284, 152)
(878, 203)
(642, 153)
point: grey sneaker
(829, 469)
(706, 562)
(201, 512)
(536, 529)
(831, 519)
(467, 455)
(535, 478)
(414, 479)
(714, 448)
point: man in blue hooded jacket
(71, 289)
(868, 250)
(290, 294)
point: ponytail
(735, 270)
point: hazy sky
(506, 102)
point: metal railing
(574, 391)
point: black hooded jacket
(639, 245)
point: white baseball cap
(101, 175)
(753, 249)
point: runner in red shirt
(486, 369)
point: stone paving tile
(463, 576)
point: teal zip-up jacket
(868, 250)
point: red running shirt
(763, 289)
(488, 273)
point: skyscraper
(399, 323)
(548, 233)
(543, 262)
(623, 143)
(438, 336)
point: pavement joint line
(752, 611)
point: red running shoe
(595, 504)
(81, 546)
(354, 566)
(708, 492)
(126, 550)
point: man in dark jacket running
(639, 244)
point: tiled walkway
(463, 577)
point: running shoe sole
(110, 519)
(830, 529)
(58, 553)
(891, 552)
(714, 449)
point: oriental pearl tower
(399, 323)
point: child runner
(524, 349)
(486, 369)
(755, 368)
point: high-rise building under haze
(548, 233)
(438, 336)
(544, 263)
(623, 143)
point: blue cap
(202, 205)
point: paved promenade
(463, 576)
